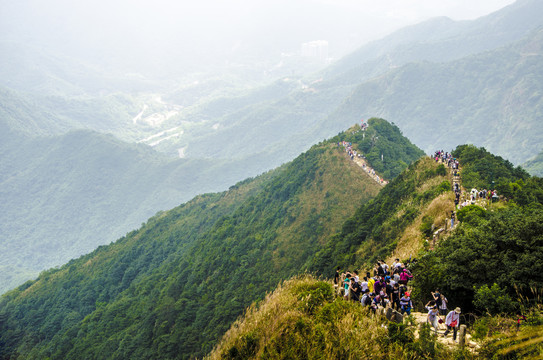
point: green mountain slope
(385, 225)
(174, 286)
(495, 243)
(63, 196)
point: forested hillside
(62, 196)
(174, 286)
(496, 243)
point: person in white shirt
(364, 285)
(452, 321)
(443, 306)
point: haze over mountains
(442, 82)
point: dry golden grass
(264, 318)
(281, 328)
(278, 317)
(411, 241)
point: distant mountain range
(490, 99)
(480, 78)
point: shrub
(471, 214)
(426, 226)
(441, 170)
(400, 333)
(493, 300)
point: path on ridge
(360, 161)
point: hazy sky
(120, 30)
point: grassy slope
(302, 319)
(389, 223)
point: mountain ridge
(193, 267)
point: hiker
(405, 276)
(437, 297)
(385, 267)
(355, 290)
(364, 285)
(396, 296)
(336, 278)
(371, 281)
(379, 271)
(433, 315)
(378, 286)
(347, 285)
(380, 299)
(406, 303)
(452, 321)
(389, 286)
(356, 277)
(443, 306)
(367, 300)
(396, 274)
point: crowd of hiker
(474, 195)
(353, 154)
(447, 159)
(388, 287)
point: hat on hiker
(457, 310)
